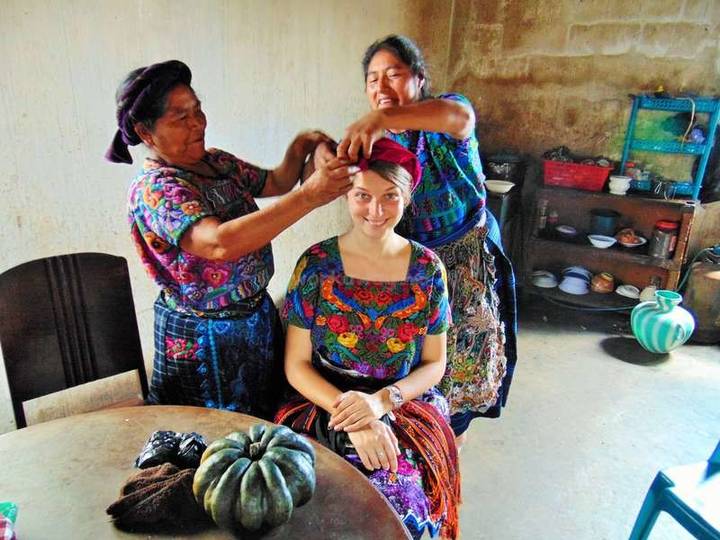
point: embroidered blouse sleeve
(300, 300)
(251, 177)
(168, 206)
(439, 306)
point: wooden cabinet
(546, 250)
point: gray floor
(590, 420)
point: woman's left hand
(355, 410)
(306, 142)
(361, 135)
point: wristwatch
(396, 397)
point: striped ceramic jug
(662, 325)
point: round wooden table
(62, 475)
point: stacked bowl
(576, 280)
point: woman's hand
(328, 182)
(306, 142)
(377, 446)
(361, 135)
(355, 410)
(324, 153)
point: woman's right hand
(329, 181)
(361, 136)
(377, 446)
(324, 153)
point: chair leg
(693, 523)
(650, 509)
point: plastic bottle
(664, 238)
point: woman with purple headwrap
(202, 238)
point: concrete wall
(544, 73)
(264, 70)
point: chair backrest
(65, 321)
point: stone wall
(544, 73)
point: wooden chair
(66, 321)
(690, 494)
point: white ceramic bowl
(566, 230)
(573, 285)
(499, 186)
(578, 270)
(544, 279)
(601, 241)
(628, 291)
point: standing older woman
(202, 238)
(448, 214)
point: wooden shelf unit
(546, 250)
(591, 300)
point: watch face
(395, 396)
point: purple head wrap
(138, 98)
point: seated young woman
(367, 316)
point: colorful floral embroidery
(165, 201)
(374, 328)
(180, 348)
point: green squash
(255, 479)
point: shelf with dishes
(591, 299)
(619, 235)
(581, 247)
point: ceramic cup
(603, 282)
(603, 221)
(648, 293)
(619, 184)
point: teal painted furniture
(695, 104)
(690, 494)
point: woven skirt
(232, 363)
(476, 362)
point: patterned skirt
(232, 363)
(425, 490)
(476, 362)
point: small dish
(640, 242)
(544, 279)
(601, 241)
(628, 291)
(499, 186)
(566, 230)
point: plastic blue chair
(690, 494)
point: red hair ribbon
(388, 150)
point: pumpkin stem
(255, 450)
